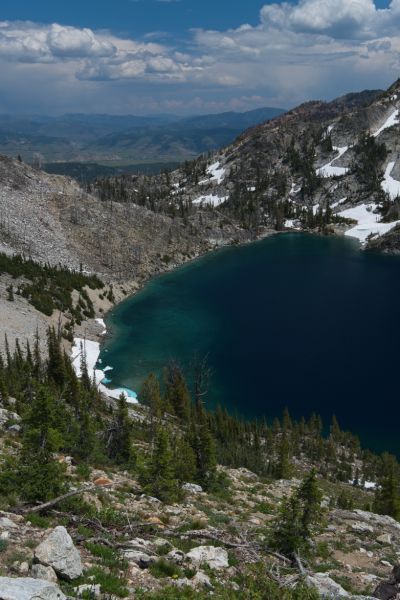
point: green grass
(109, 557)
(38, 521)
(110, 583)
(162, 568)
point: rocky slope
(204, 543)
(52, 220)
(309, 168)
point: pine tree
(38, 476)
(150, 396)
(158, 477)
(311, 497)
(283, 467)
(299, 519)
(387, 498)
(55, 367)
(176, 391)
(184, 459)
(119, 435)
(85, 377)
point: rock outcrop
(212, 556)
(58, 551)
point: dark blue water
(307, 322)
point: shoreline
(94, 346)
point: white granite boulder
(27, 588)
(212, 556)
(58, 551)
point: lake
(296, 320)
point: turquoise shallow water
(295, 320)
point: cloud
(297, 51)
(313, 48)
(99, 56)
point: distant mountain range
(122, 140)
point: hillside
(100, 499)
(329, 167)
(122, 139)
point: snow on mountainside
(308, 168)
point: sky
(191, 56)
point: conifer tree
(85, 377)
(176, 394)
(37, 475)
(299, 518)
(387, 497)
(55, 368)
(158, 476)
(203, 445)
(119, 434)
(150, 395)
(184, 459)
(283, 468)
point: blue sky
(191, 56)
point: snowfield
(368, 222)
(92, 350)
(392, 120)
(217, 173)
(336, 204)
(389, 185)
(211, 199)
(329, 170)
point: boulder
(200, 580)
(212, 556)
(384, 539)
(14, 429)
(6, 523)
(192, 488)
(140, 558)
(396, 573)
(176, 556)
(386, 591)
(326, 586)
(58, 551)
(7, 415)
(39, 571)
(27, 588)
(88, 589)
(103, 482)
(360, 527)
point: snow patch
(368, 223)
(392, 120)
(217, 173)
(103, 325)
(211, 199)
(368, 485)
(92, 352)
(389, 185)
(292, 224)
(336, 204)
(331, 171)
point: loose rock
(58, 551)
